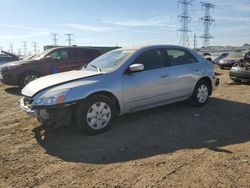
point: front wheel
(27, 78)
(201, 93)
(94, 115)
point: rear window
(84, 53)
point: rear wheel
(201, 93)
(27, 78)
(95, 114)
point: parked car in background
(240, 72)
(6, 57)
(51, 61)
(118, 82)
(207, 56)
(222, 56)
(230, 60)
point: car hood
(14, 63)
(54, 80)
(229, 60)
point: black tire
(85, 108)
(202, 88)
(236, 80)
(24, 78)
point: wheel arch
(110, 96)
(27, 72)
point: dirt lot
(171, 146)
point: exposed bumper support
(215, 83)
(56, 117)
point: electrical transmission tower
(11, 48)
(184, 20)
(35, 47)
(69, 39)
(24, 48)
(19, 52)
(207, 21)
(195, 41)
(54, 39)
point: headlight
(51, 98)
(221, 62)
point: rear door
(184, 71)
(82, 56)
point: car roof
(145, 47)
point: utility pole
(184, 20)
(35, 47)
(207, 22)
(69, 39)
(54, 39)
(195, 41)
(11, 48)
(24, 48)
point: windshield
(39, 56)
(109, 61)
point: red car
(51, 61)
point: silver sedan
(121, 81)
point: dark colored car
(222, 56)
(241, 71)
(55, 60)
(6, 57)
(230, 60)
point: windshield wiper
(99, 70)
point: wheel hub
(202, 94)
(99, 115)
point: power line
(69, 39)
(184, 20)
(54, 39)
(207, 22)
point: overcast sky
(111, 22)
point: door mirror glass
(136, 68)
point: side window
(82, 53)
(179, 57)
(151, 60)
(59, 54)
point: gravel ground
(172, 146)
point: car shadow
(153, 132)
(14, 91)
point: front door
(149, 87)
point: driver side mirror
(136, 68)
(48, 57)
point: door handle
(196, 69)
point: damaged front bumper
(215, 83)
(57, 116)
(240, 72)
(25, 105)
